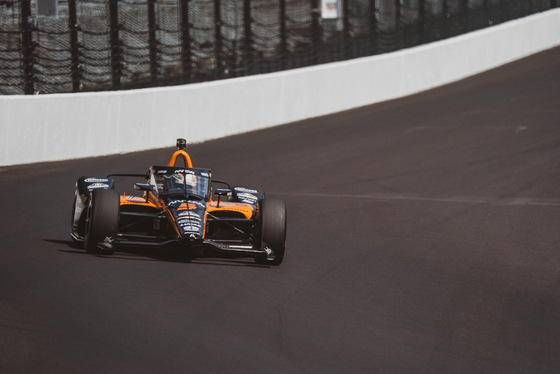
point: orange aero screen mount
(180, 153)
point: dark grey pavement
(424, 237)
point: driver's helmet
(188, 179)
(186, 183)
(179, 178)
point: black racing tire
(75, 243)
(273, 230)
(102, 219)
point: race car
(179, 207)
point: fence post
(186, 41)
(444, 21)
(422, 15)
(283, 34)
(466, 16)
(74, 49)
(373, 28)
(218, 32)
(27, 48)
(152, 42)
(346, 38)
(248, 36)
(315, 31)
(116, 68)
(399, 29)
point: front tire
(102, 219)
(273, 231)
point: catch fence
(94, 45)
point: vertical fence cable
(152, 41)
(218, 38)
(74, 48)
(27, 48)
(185, 41)
(115, 45)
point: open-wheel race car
(179, 207)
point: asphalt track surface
(423, 238)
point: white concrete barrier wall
(66, 126)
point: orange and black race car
(179, 207)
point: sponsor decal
(188, 206)
(243, 189)
(89, 180)
(191, 224)
(177, 202)
(184, 171)
(186, 221)
(190, 229)
(97, 185)
(247, 201)
(247, 196)
(189, 214)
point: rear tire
(273, 231)
(75, 243)
(102, 219)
